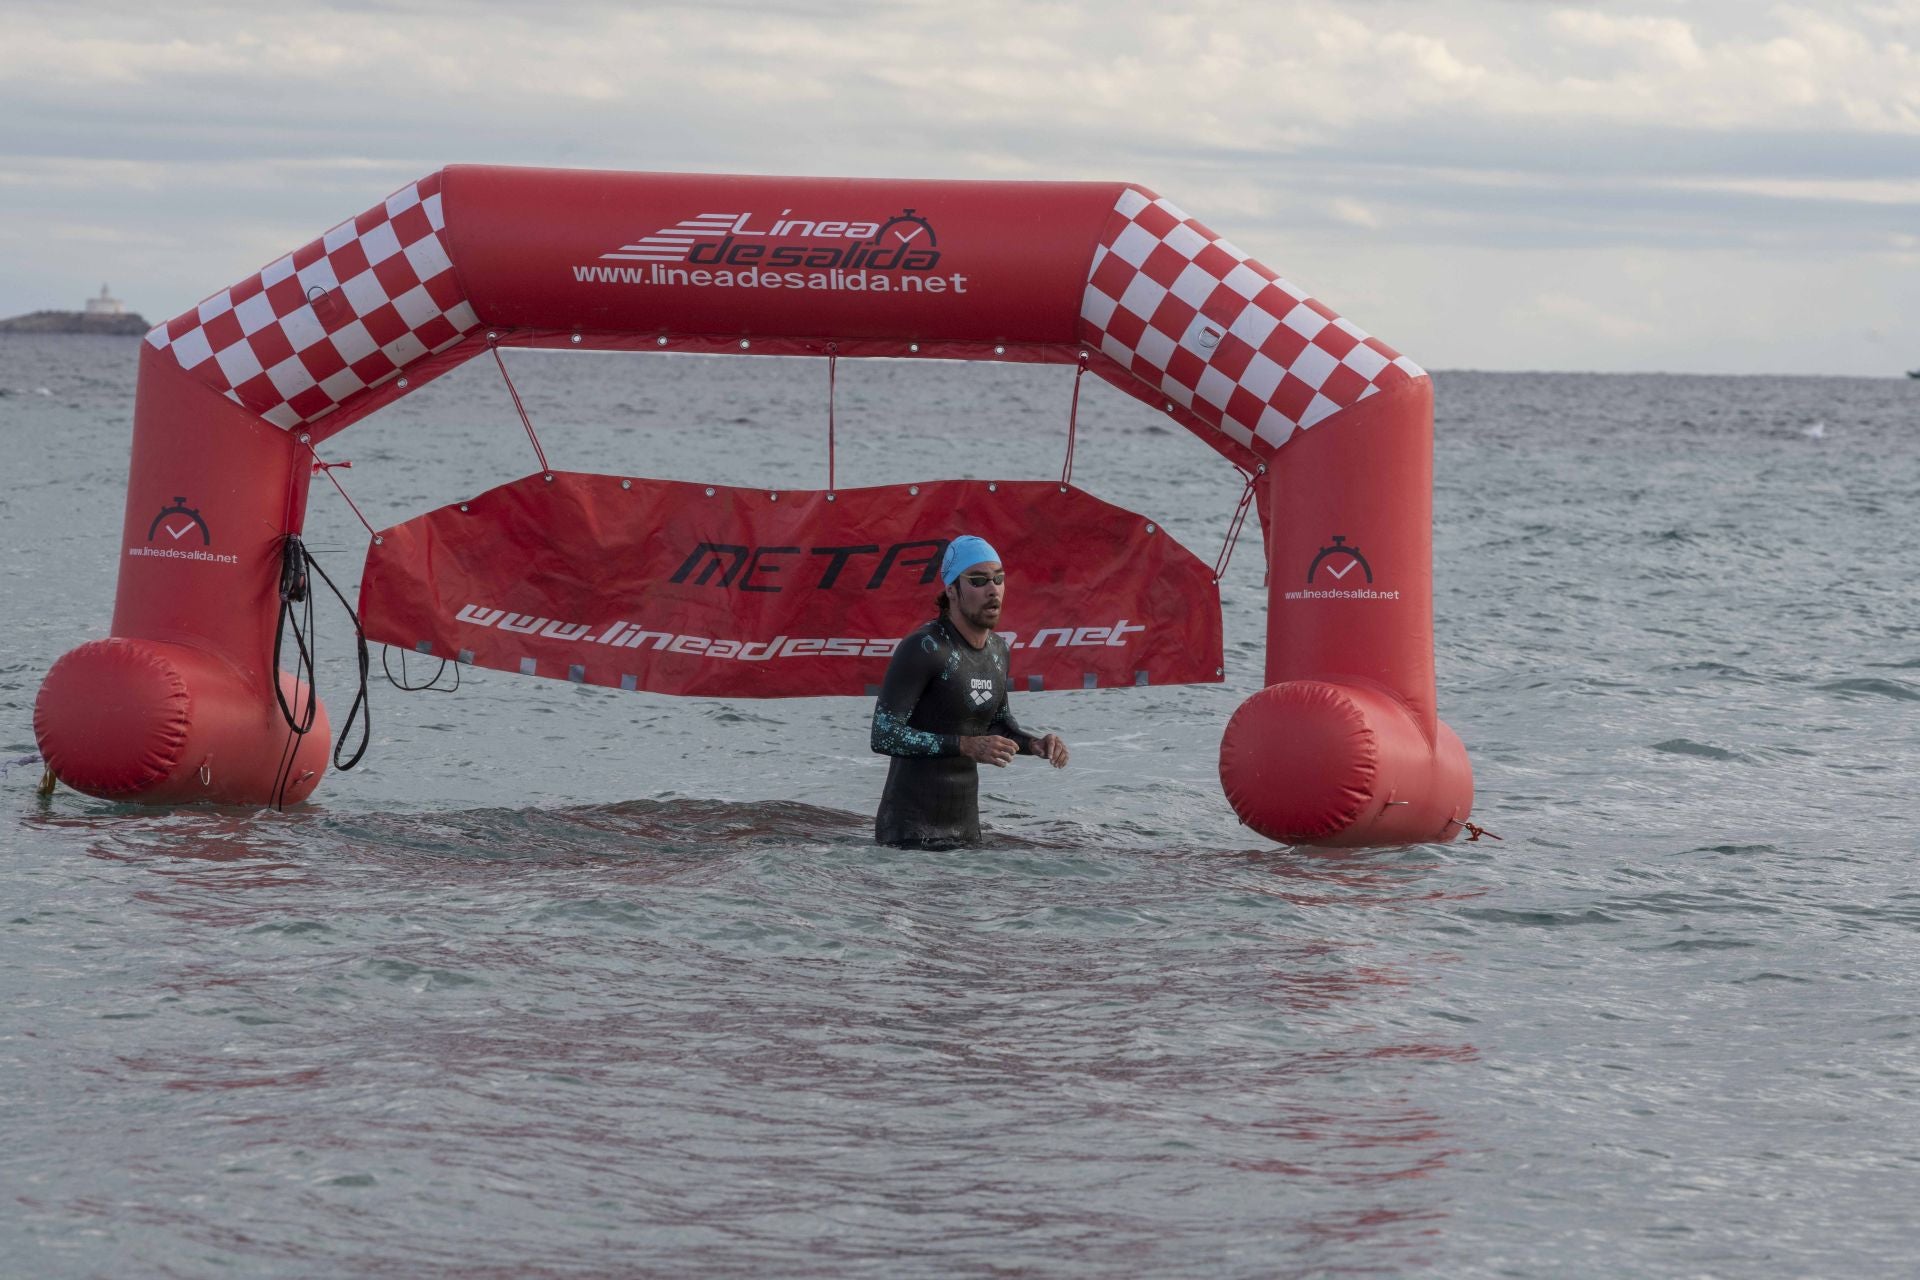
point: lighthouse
(105, 305)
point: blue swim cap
(963, 553)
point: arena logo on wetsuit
(692, 589)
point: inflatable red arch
(1342, 746)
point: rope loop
(1474, 830)
(405, 682)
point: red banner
(723, 592)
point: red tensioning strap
(327, 469)
(1073, 419)
(833, 360)
(1234, 526)
(494, 346)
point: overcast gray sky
(1682, 185)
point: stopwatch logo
(905, 228)
(1339, 560)
(178, 520)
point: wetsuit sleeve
(912, 669)
(1007, 727)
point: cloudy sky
(1724, 186)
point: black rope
(297, 615)
(431, 686)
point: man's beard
(979, 618)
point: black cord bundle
(296, 590)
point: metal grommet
(773, 497)
(463, 506)
(628, 484)
(660, 341)
(709, 491)
(913, 346)
(1169, 406)
(913, 489)
(403, 384)
(829, 497)
(745, 345)
(1063, 488)
(493, 335)
(999, 351)
(992, 487)
(575, 338)
(549, 477)
(1086, 355)
(378, 540)
(1151, 529)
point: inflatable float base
(170, 724)
(1309, 762)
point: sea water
(566, 981)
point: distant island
(105, 314)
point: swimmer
(942, 710)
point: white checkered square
(1143, 296)
(237, 363)
(1215, 387)
(1209, 329)
(1194, 286)
(1185, 241)
(1366, 362)
(1314, 366)
(1244, 280)
(255, 314)
(332, 320)
(1262, 377)
(191, 348)
(290, 377)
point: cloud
(1355, 214)
(1335, 132)
(1584, 320)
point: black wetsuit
(938, 690)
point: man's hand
(989, 749)
(1052, 750)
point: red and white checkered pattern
(325, 323)
(1221, 335)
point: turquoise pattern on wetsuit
(893, 731)
(893, 736)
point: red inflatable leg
(1344, 747)
(180, 704)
